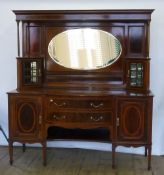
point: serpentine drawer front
(79, 103)
(80, 117)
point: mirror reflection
(84, 49)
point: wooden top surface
(82, 92)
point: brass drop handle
(96, 106)
(59, 105)
(59, 117)
(96, 119)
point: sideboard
(109, 104)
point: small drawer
(80, 103)
(80, 117)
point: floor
(76, 162)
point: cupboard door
(25, 117)
(131, 120)
(137, 74)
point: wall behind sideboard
(8, 53)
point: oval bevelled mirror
(84, 49)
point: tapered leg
(113, 156)
(149, 157)
(145, 151)
(44, 153)
(24, 147)
(11, 151)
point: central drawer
(80, 103)
(80, 117)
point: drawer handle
(59, 117)
(96, 106)
(96, 119)
(60, 105)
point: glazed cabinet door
(132, 120)
(137, 74)
(25, 118)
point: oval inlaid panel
(132, 120)
(26, 117)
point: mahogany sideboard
(111, 104)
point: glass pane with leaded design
(136, 74)
(31, 72)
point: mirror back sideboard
(111, 104)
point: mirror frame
(82, 40)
